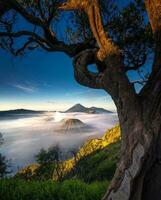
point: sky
(44, 81)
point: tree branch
(136, 63)
(25, 46)
(51, 44)
(40, 9)
(92, 9)
(81, 72)
(29, 17)
(153, 8)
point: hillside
(92, 146)
(81, 108)
(105, 148)
(97, 166)
(84, 177)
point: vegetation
(102, 161)
(47, 161)
(4, 166)
(50, 166)
(77, 182)
(88, 149)
(15, 189)
(53, 154)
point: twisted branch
(92, 9)
(81, 72)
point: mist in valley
(25, 136)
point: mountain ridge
(20, 111)
(80, 108)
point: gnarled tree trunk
(138, 175)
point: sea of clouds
(24, 137)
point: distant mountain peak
(78, 104)
(80, 108)
(77, 108)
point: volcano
(74, 126)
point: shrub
(15, 189)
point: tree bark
(138, 175)
(140, 126)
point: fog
(24, 137)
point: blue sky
(44, 81)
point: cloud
(25, 88)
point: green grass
(98, 166)
(15, 189)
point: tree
(123, 43)
(53, 154)
(3, 166)
(48, 161)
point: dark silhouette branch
(136, 63)
(4, 7)
(40, 9)
(29, 17)
(50, 44)
(27, 45)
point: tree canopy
(46, 26)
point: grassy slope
(87, 179)
(98, 166)
(13, 189)
(92, 147)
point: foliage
(89, 148)
(4, 165)
(15, 189)
(47, 161)
(98, 166)
(131, 31)
(53, 154)
(87, 180)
